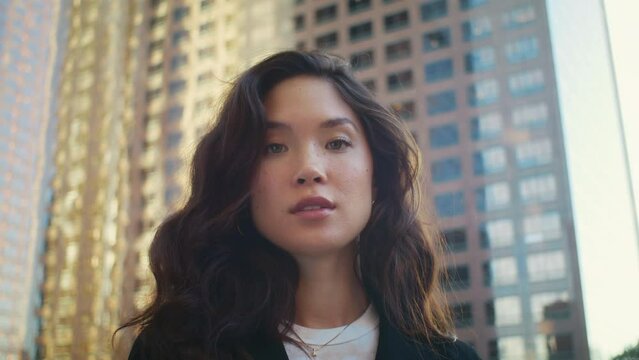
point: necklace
(318, 348)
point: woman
(302, 236)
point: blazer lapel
(393, 344)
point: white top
(357, 342)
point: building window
(207, 27)
(442, 102)
(434, 9)
(493, 350)
(501, 272)
(489, 312)
(205, 77)
(355, 6)
(396, 21)
(156, 68)
(550, 306)
(298, 22)
(300, 45)
(173, 139)
(171, 166)
(153, 94)
(534, 153)
(176, 86)
(511, 347)
(458, 277)
(542, 227)
(477, 29)
(438, 70)
(489, 161)
(370, 85)
(398, 50)
(518, 17)
(157, 21)
(455, 240)
(326, 41)
(179, 37)
(178, 61)
(540, 188)
(361, 31)
(471, 4)
(180, 13)
(486, 126)
(400, 80)
(449, 204)
(492, 197)
(526, 83)
(462, 315)
(326, 14)
(521, 50)
(483, 92)
(206, 52)
(507, 311)
(559, 346)
(404, 109)
(530, 116)
(443, 136)
(497, 233)
(172, 194)
(546, 266)
(174, 114)
(362, 60)
(156, 45)
(478, 60)
(447, 169)
(434, 40)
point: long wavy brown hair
(220, 283)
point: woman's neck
(329, 293)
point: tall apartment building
(475, 81)
(27, 64)
(138, 87)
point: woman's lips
(313, 213)
(313, 208)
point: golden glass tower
(87, 236)
(140, 82)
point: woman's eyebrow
(277, 125)
(340, 121)
(326, 124)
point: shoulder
(137, 352)
(450, 349)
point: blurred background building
(28, 60)
(500, 96)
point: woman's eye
(338, 144)
(275, 148)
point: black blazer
(392, 345)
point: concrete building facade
(475, 82)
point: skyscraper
(27, 80)
(139, 84)
(475, 82)
(86, 240)
(193, 50)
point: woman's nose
(310, 171)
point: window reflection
(546, 266)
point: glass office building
(28, 60)
(475, 82)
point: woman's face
(313, 189)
